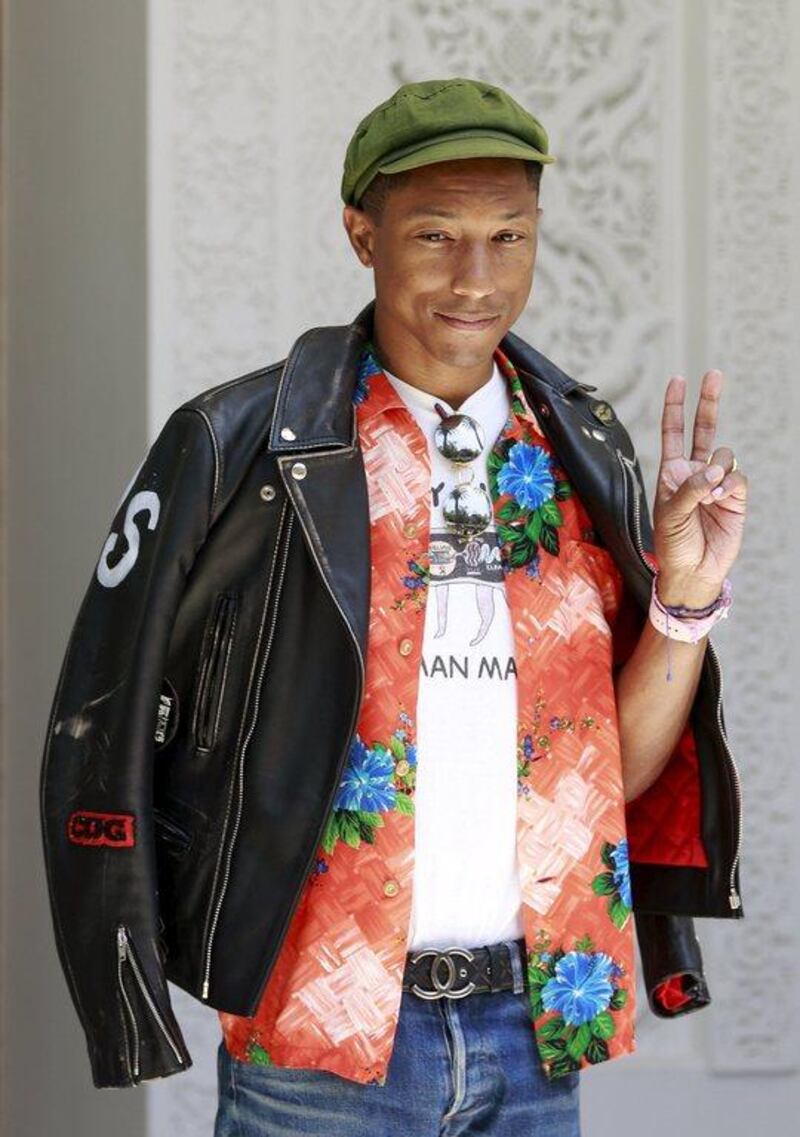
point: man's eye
(425, 236)
(518, 237)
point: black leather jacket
(213, 679)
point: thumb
(694, 489)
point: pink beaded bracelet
(678, 622)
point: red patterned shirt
(333, 998)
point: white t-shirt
(466, 888)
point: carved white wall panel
(752, 251)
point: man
(457, 943)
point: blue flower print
(581, 987)
(411, 755)
(367, 782)
(527, 475)
(622, 879)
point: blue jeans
(459, 1067)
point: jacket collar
(313, 406)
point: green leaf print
(576, 1047)
(618, 999)
(349, 829)
(604, 884)
(602, 1025)
(522, 551)
(404, 803)
(597, 1051)
(397, 747)
(534, 526)
(507, 533)
(331, 833)
(509, 511)
(549, 540)
(563, 490)
(619, 912)
(551, 513)
(258, 1054)
(551, 1050)
(550, 1029)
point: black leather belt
(456, 972)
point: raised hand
(700, 503)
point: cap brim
(455, 148)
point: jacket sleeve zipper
(132, 1058)
(237, 779)
(734, 900)
(125, 954)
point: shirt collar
(374, 393)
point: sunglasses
(467, 510)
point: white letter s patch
(145, 500)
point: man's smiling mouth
(468, 323)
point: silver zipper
(238, 778)
(122, 953)
(734, 900)
(125, 953)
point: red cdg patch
(86, 827)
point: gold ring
(735, 465)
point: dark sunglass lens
(468, 509)
(459, 438)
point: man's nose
(473, 274)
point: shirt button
(390, 888)
(406, 646)
(410, 529)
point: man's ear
(359, 231)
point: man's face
(458, 239)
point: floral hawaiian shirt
(333, 998)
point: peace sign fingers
(705, 419)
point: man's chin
(468, 349)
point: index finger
(672, 419)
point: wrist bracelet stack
(679, 622)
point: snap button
(602, 411)
(288, 434)
(544, 409)
(299, 470)
(406, 646)
(410, 529)
(390, 888)
(267, 492)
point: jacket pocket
(169, 831)
(213, 671)
(140, 1013)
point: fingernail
(719, 490)
(714, 473)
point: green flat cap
(435, 121)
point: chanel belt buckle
(446, 987)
